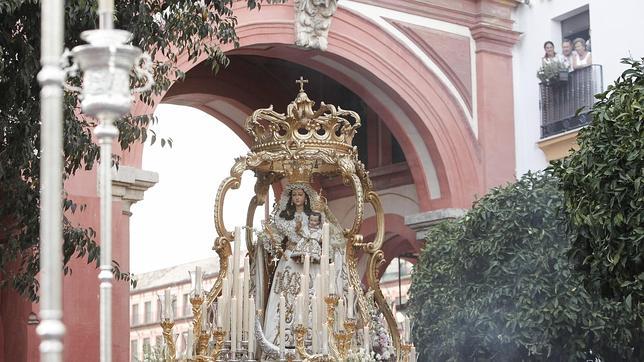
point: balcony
(560, 101)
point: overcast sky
(173, 224)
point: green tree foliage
(603, 184)
(166, 29)
(497, 285)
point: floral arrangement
(361, 356)
(383, 347)
(549, 72)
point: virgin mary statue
(293, 231)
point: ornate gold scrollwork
(222, 242)
(375, 261)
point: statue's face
(314, 221)
(298, 196)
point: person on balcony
(567, 53)
(582, 58)
(550, 56)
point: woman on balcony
(582, 58)
(550, 56)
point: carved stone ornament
(312, 22)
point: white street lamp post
(51, 78)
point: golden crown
(302, 142)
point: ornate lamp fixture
(106, 63)
(299, 297)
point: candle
(233, 328)
(305, 276)
(406, 325)
(168, 304)
(320, 299)
(412, 354)
(220, 315)
(204, 317)
(246, 286)
(198, 282)
(239, 308)
(341, 314)
(367, 338)
(314, 329)
(223, 304)
(250, 320)
(350, 303)
(189, 344)
(299, 302)
(236, 249)
(325, 239)
(324, 269)
(331, 278)
(282, 330)
(325, 339)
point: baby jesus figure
(311, 240)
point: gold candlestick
(405, 348)
(219, 334)
(331, 303)
(167, 325)
(196, 302)
(344, 337)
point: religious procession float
(299, 295)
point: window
(134, 350)
(147, 310)
(186, 304)
(576, 26)
(174, 306)
(159, 341)
(135, 314)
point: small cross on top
(302, 81)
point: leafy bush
(497, 285)
(603, 184)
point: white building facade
(614, 29)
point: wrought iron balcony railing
(561, 99)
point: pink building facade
(432, 80)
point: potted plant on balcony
(552, 72)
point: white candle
(412, 354)
(198, 280)
(233, 328)
(299, 302)
(325, 239)
(350, 303)
(331, 278)
(204, 317)
(245, 292)
(320, 299)
(236, 250)
(325, 338)
(341, 314)
(324, 270)
(189, 343)
(305, 276)
(406, 325)
(238, 309)
(251, 323)
(220, 314)
(314, 324)
(224, 304)
(367, 338)
(282, 330)
(168, 304)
